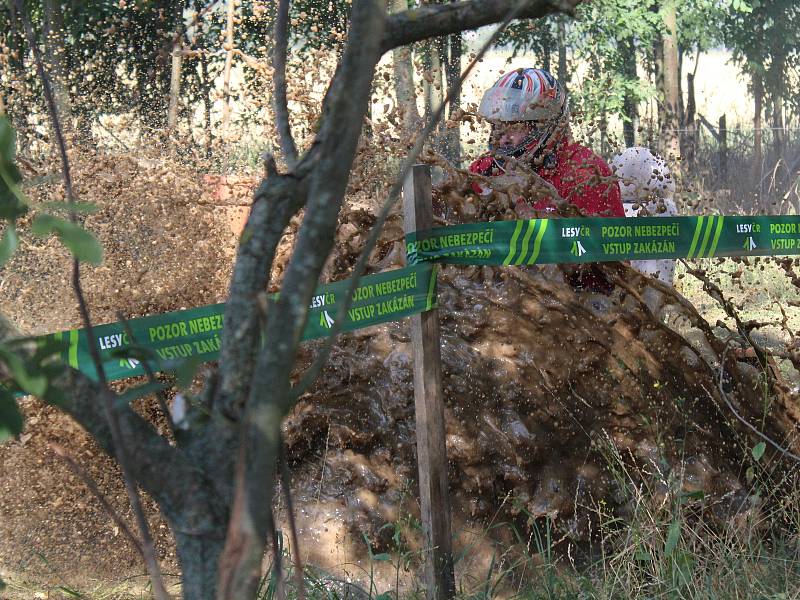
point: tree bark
(671, 124)
(452, 139)
(777, 78)
(226, 73)
(199, 556)
(174, 86)
(758, 124)
(432, 20)
(690, 137)
(54, 55)
(269, 398)
(205, 86)
(561, 41)
(630, 104)
(404, 80)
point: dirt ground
(523, 422)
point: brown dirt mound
(542, 385)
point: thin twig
(184, 27)
(281, 108)
(361, 264)
(277, 569)
(148, 547)
(81, 474)
(763, 436)
(716, 293)
(286, 482)
(151, 376)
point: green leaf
(383, 556)
(78, 207)
(8, 141)
(8, 244)
(68, 591)
(186, 370)
(2, 585)
(689, 496)
(44, 225)
(83, 245)
(750, 474)
(29, 382)
(10, 418)
(673, 537)
(758, 451)
(385, 596)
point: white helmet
(647, 187)
(644, 177)
(526, 95)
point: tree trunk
(432, 81)
(758, 144)
(452, 150)
(404, 80)
(427, 77)
(630, 104)
(658, 77)
(690, 137)
(17, 103)
(671, 124)
(561, 42)
(54, 55)
(206, 87)
(778, 84)
(199, 558)
(174, 86)
(723, 149)
(226, 74)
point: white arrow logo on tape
(578, 249)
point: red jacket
(574, 174)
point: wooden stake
(429, 409)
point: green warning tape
(195, 333)
(389, 296)
(582, 240)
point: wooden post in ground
(429, 408)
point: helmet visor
(511, 104)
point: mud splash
(548, 391)
(545, 388)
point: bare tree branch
(269, 397)
(432, 20)
(736, 414)
(277, 200)
(286, 484)
(285, 138)
(161, 465)
(89, 483)
(361, 264)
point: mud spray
(549, 392)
